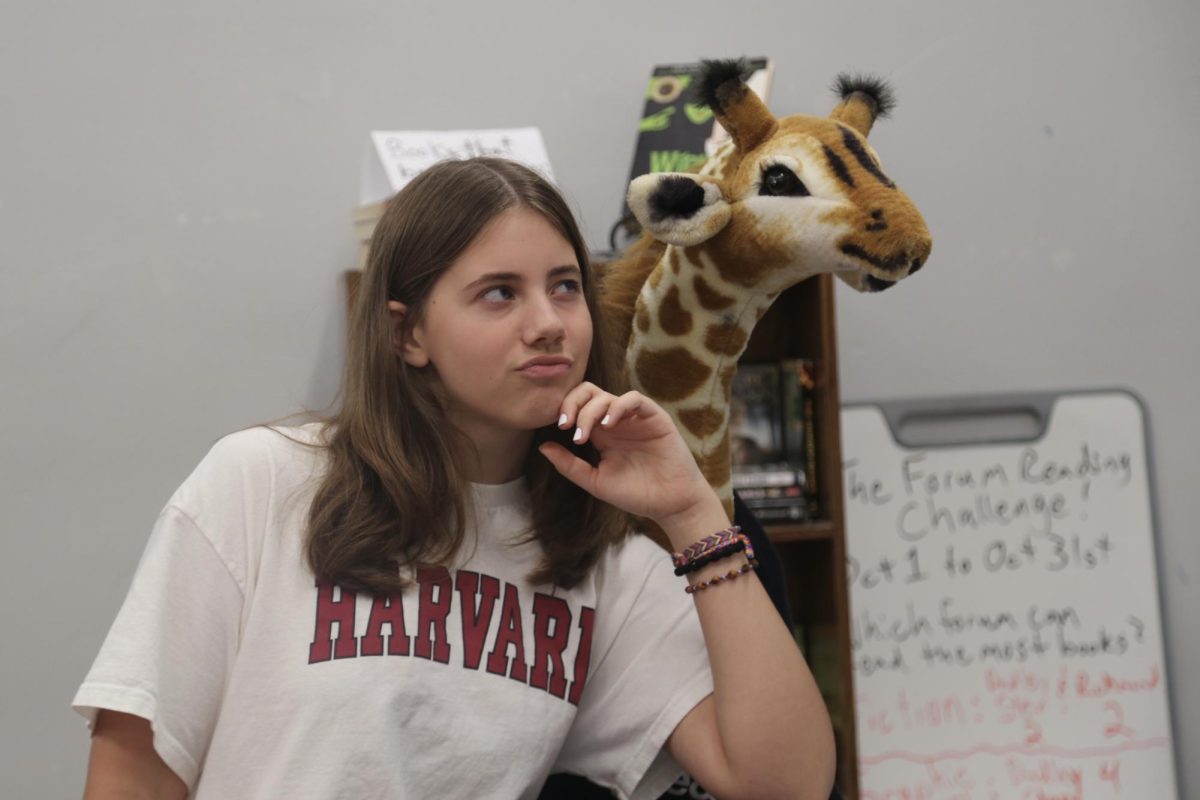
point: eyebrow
(513, 277)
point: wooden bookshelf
(807, 532)
(801, 324)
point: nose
(919, 254)
(544, 325)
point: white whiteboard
(1006, 632)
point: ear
(740, 111)
(406, 341)
(865, 99)
(678, 209)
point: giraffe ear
(678, 209)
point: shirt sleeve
(649, 669)
(170, 649)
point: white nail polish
(578, 435)
(562, 420)
(606, 420)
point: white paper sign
(396, 157)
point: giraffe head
(787, 198)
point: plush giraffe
(780, 201)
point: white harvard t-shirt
(260, 682)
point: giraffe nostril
(916, 265)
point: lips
(878, 284)
(546, 367)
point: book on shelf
(677, 133)
(770, 442)
(755, 420)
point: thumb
(569, 465)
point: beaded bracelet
(706, 545)
(733, 574)
(708, 558)
(738, 545)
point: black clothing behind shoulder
(770, 566)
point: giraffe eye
(779, 181)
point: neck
(690, 328)
(491, 456)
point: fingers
(630, 404)
(573, 401)
(587, 406)
(584, 406)
(570, 466)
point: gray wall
(175, 189)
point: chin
(543, 418)
(545, 407)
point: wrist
(728, 568)
(691, 524)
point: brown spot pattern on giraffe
(643, 317)
(702, 422)
(726, 340)
(673, 259)
(716, 465)
(744, 253)
(672, 317)
(670, 375)
(620, 283)
(656, 277)
(709, 298)
(727, 378)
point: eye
(779, 181)
(569, 286)
(497, 294)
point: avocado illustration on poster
(676, 132)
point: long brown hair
(394, 491)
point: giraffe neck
(690, 327)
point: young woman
(432, 592)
